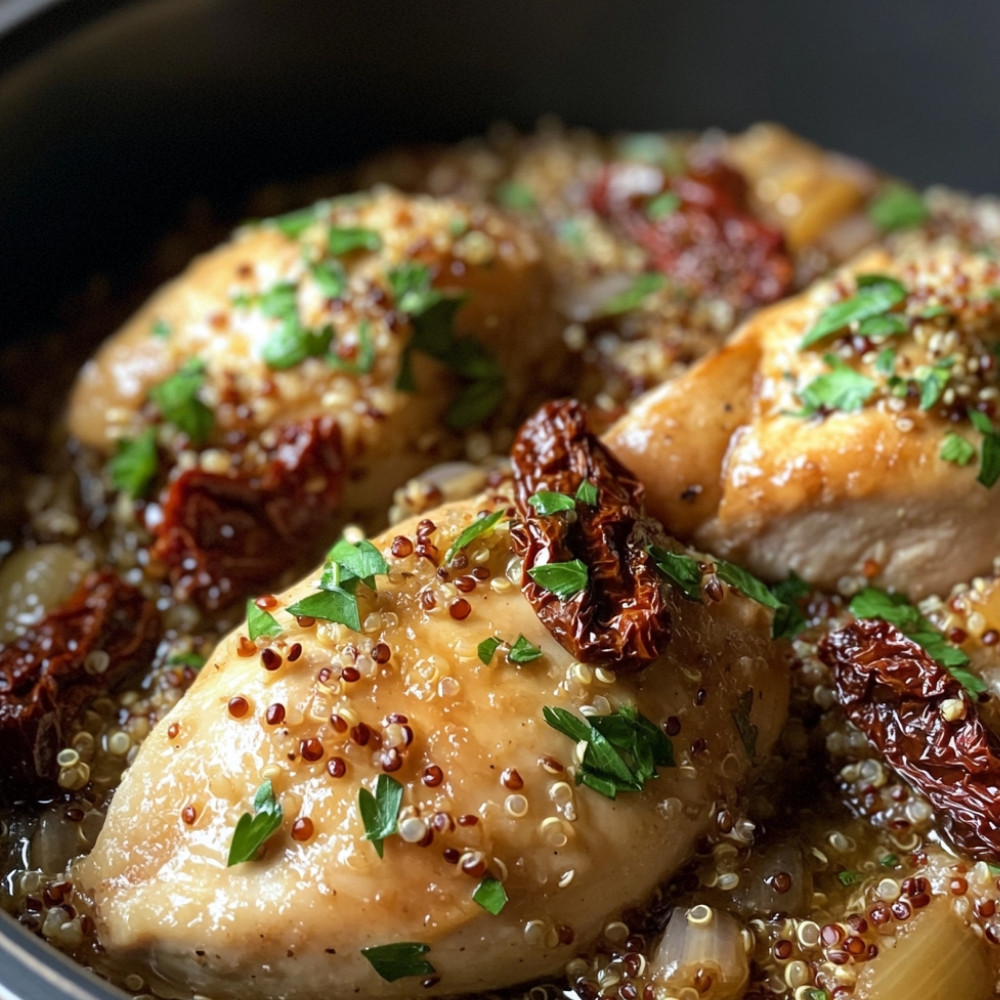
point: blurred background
(113, 114)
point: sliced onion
(702, 949)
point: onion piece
(934, 956)
(702, 949)
(34, 582)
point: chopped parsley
(849, 878)
(365, 360)
(346, 239)
(564, 579)
(681, 570)
(662, 205)
(587, 493)
(133, 466)
(261, 622)
(789, 618)
(331, 278)
(898, 207)
(294, 224)
(877, 294)
(842, 389)
(548, 502)
(192, 660)
(399, 960)
(346, 566)
(522, 651)
(432, 313)
(989, 462)
(177, 399)
(956, 449)
(889, 860)
(622, 750)
(885, 362)
(478, 527)
(380, 812)
(897, 610)
(746, 583)
(632, 297)
(161, 329)
(252, 830)
(291, 343)
(490, 895)
(516, 196)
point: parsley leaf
(487, 648)
(849, 878)
(523, 651)
(840, 389)
(548, 502)
(134, 464)
(746, 583)
(633, 296)
(876, 294)
(564, 579)
(681, 570)
(472, 532)
(989, 462)
(380, 812)
(192, 660)
(177, 398)
(956, 449)
(252, 830)
(291, 343)
(490, 895)
(399, 960)
(789, 618)
(623, 749)
(662, 205)
(365, 361)
(885, 363)
(356, 561)
(332, 605)
(331, 278)
(294, 224)
(161, 329)
(346, 239)
(898, 207)
(587, 493)
(889, 860)
(261, 622)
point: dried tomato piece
(48, 673)
(710, 242)
(621, 617)
(918, 716)
(224, 534)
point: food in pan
(682, 690)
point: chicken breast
(497, 867)
(845, 435)
(309, 367)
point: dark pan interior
(113, 115)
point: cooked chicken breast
(845, 435)
(486, 786)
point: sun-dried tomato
(895, 694)
(47, 674)
(711, 243)
(621, 617)
(222, 535)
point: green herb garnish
(587, 493)
(331, 278)
(253, 829)
(478, 527)
(399, 960)
(192, 660)
(840, 389)
(346, 239)
(956, 449)
(889, 860)
(261, 622)
(487, 648)
(291, 343)
(548, 502)
(161, 329)
(294, 224)
(515, 195)
(380, 812)
(885, 363)
(366, 353)
(134, 464)
(642, 286)
(989, 461)
(681, 570)
(623, 749)
(898, 207)
(746, 583)
(490, 895)
(876, 295)
(523, 651)
(849, 878)
(564, 579)
(177, 399)
(663, 205)
(789, 619)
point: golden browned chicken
(846, 435)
